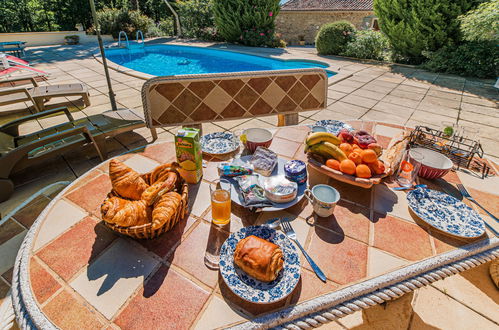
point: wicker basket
(146, 231)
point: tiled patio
(401, 95)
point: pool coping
(339, 76)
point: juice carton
(189, 156)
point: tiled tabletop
(84, 275)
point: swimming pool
(167, 60)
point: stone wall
(291, 24)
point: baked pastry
(264, 161)
(155, 191)
(165, 209)
(125, 213)
(126, 182)
(259, 258)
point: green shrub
(166, 27)
(478, 59)
(196, 18)
(367, 44)
(249, 22)
(414, 26)
(482, 23)
(333, 37)
(112, 21)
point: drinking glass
(409, 168)
(220, 205)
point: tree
(481, 24)
(414, 26)
(250, 22)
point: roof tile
(328, 5)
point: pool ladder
(126, 38)
(139, 32)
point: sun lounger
(13, 46)
(38, 95)
(20, 151)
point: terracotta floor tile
(217, 314)
(283, 147)
(489, 201)
(168, 301)
(190, 254)
(91, 195)
(342, 259)
(352, 193)
(141, 164)
(310, 286)
(199, 198)
(164, 244)
(27, 215)
(381, 262)
(297, 134)
(77, 247)
(300, 153)
(42, 283)
(4, 288)
(444, 243)
(401, 238)
(452, 177)
(348, 219)
(68, 313)
(8, 251)
(9, 229)
(162, 153)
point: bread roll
(259, 258)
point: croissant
(165, 209)
(126, 182)
(259, 258)
(155, 191)
(125, 213)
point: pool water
(167, 60)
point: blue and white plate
(446, 213)
(249, 288)
(333, 126)
(219, 143)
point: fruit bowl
(434, 165)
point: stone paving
(398, 94)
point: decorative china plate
(238, 198)
(445, 213)
(219, 143)
(333, 126)
(249, 288)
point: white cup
(323, 199)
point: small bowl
(253, 138)
(434, 165)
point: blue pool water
(167, 60)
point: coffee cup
(323, 199)
(253, 138)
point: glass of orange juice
(220, 205)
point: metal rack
(461, 150)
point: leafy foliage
(474, 58)
(482, 23)
(112, 21)
(196, 18)
(249, 22)
(367, 44)
(333, 37)
(414, 26)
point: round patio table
(73, 272)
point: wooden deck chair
(21, 151)
(38, 95)
(195, 99)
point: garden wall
(291, 24)
(49, 38)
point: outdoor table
(72, 271)
(13, 46)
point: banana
(319, 137)
(328, 150)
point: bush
(367, 44)
(249, 22)
(482, 23)
(112, 21)
(414, 26)
(196, 19)
(479, 59)
(333, 37)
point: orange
(368, 156)
(356, 147)
(346, 148)
(355, 157)
(363, 171)
(347, 166)
(333, 163)
(377, 167)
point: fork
(467, 195)
(288, 230)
